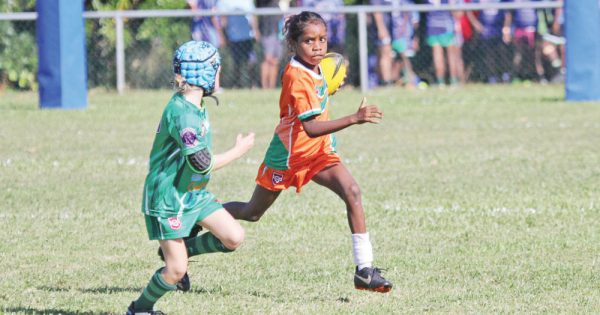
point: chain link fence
(408, 57)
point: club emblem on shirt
(188, 137)
(277, 178)
(174, 223)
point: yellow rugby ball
(333, 68)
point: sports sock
(156, 288)
(362, 250)
(204, 244)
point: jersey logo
(277, 178)
(174, 223)
(188, 137)
(320, 90)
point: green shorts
(164, 228)
(444, 40)
(399, 45)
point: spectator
(404, 44)
(441, 35)
(550, 28)
(457, 49)
(271, 30)
(241, 32)
(381, 30)
(206, 28)
(558, 29)
(494, 34)
(527, 53)
(469, 42)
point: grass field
(479, 200)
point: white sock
(362, 250)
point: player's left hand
(244, 143)
(368, 113)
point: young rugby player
(175, 197)
(303, 147)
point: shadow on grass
(101, 290)
(553, 99)
(30, 310)
(111, 290)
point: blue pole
(61, 54)
(582, 28)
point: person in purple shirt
(440, 35)
(206, 28)
(527, 48)
(494, 36)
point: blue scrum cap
(198, 63)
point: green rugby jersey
(171, 186)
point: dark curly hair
(295, 25)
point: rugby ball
(333, 68)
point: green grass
(479, 200)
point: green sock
(156, 288)
(204, 244)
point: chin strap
(213, 97)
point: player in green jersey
(175, 197)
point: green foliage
(148, 43)
(11, 6)
(18, 56)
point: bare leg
(385, 63)
(339, 180)
(272, 72)
(438, 63)
(410, 75)
(455, 63)
(268, 72)
(224, 227)
(176, 260)
(252, 210)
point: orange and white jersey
(303, 95)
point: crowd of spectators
(411, 49)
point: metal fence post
(120, 53)
(362, 52)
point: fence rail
(361, 13)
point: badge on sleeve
(188, 137)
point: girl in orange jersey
(303, 146)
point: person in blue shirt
(241, 32)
